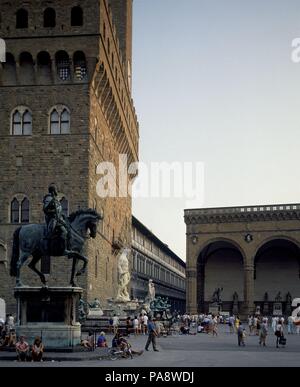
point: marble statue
(124, 277)
(151, 291)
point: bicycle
(117, 353)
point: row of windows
(20, 209)
(148, 245)
(49, 17)
(59, 121)
(62, 62)
(147, 268)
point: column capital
(191, 273)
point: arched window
(21, 122)
(25, 211)
(15, 211)
(9, 74)
(60, 120)
(44, 65)
(65, 206)
(65, 122)
(63, 65)
(80, 68)
(49, 18)
(22, 18)
(26, 68)
(76, 16)
(19, 210)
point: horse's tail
(15, 253)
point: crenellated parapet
(243, 214)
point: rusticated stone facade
(254, 251)
(69, 59)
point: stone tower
(65, 107)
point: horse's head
(87, 221)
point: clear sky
(213, 81)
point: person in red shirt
(22, 349)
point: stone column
(249, 306)
(191, 290)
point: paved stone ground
(196, 351)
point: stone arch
(44, 66)
(276, 268)
(275, 237)
(49, 18)
(77, 16)
(63, 65)
(222, 239)
(9, 73)
(80, 65)
(220, 264)
(26, 68)
(22, 18)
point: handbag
(282, 340)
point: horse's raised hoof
(79, 273)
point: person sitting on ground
(200, 328)
(185, 330)
(116, 341)
(89, 341)
(101, 343)
(37, 350)
(12, 339)
(22, 349)
(4, 340)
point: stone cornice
(249, 214)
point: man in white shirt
(115, 323)
(145, 324)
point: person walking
(237, 323)
(290, 325)
(152, 334)
(263, 333)
(241, 335)
(116, 323)
(136, 326)
(278, 333)
(145, 324)
(215, 326)
(231, 324)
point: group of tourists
(137, 325)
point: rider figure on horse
(54, 216)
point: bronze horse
(29, 241)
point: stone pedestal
(95, 313)
(51, 313)
(214, 309)
(277, 309)
(266, 309)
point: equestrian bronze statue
(60, 236)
